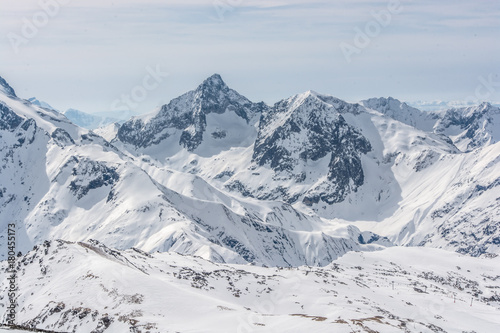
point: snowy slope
(212, 114)
(6, 89)
(84, 287)
(452, 204)
(108, 132)
(215, 175)
(449, 198)
(35, 101)
(92, 121)
(203, 195)
(327, 158)
(61, 181)
(471, 127)
(403, 112)
(96, 120)
(468, 127)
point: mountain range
(215, 176)
(289, 178)
(88, 287)
(93, 121)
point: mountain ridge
(216, 175)
(89, 287)
(7, 88)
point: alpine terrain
(309, 214)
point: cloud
(271, 49)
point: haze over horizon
(88, 55)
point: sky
(103, 55)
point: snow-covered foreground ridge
(87, 287)
(215, 175)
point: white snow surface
(77, 186)
(84, 287)
(419, 188)
(220, 238)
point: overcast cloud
(92, 52)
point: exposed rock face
(214, 175)
(311, 127)
(188, 114)
(89, 175)
(472, 127)
(402, 112)
(89, 287)
(467, 127)
(4, 86)
(9, 120)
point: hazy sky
(90, 54)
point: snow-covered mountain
(92, 121)
(88, 287)
(62, 181)
(216, 175)
(329, 158)
(471, 127)
(212, 185)
(6, 89)
(213, 114)
(468, 127)
(97, 120)
(444, 105)
(35, 101)
(404, 113)
(452, 199)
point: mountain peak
(4, 86)
(314, 102)
(391, 107)
(474, 110)
(213, 82)
(37, 102)
(378, 102)
(485, 105)
(310, 93)
(188, 114)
